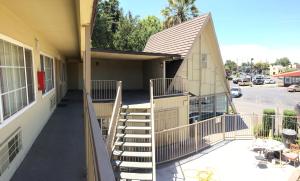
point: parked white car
(269, 81)
(293, 88)
(236, 92)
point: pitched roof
(177, 39)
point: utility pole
(251, 67)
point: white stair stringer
(132, 154)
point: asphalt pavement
(257, 98)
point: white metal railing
(169, 86)
(114, 118)
(152, 132)
(180, 141)
(103, 90)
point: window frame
(4, 122)
(53, 70)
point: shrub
(268, 118)
(289, 120)
(258, 130)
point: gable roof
(177, 39)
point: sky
(261, 29)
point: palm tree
(179, 11)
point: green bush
(289, 120)
(268, 118)
(258, 131)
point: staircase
(132, 152)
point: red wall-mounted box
(41, 80)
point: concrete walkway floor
(58, 153)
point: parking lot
(257, 98)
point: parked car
(245, 82)
(293, 88)
(298, 105)
(269, 81)
(236, 80)
(258, 81)
(236, 92)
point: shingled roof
(177, 39)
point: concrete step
(135, 114)
(134, 127)
(142, 136)
(133, 164)
(136, 176)
(132, 153)
(132, 144)
(135, 120)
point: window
(16, 79)
(9, 150)
(47, 67)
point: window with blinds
(47, 67)
(16, 79)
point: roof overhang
(289, 74)
(132, 55)
(60, 22)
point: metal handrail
(103, 90)
(152, 132)
(97, 157)
(169, 87)
(177, 142)
(114, 119)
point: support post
(87, 59)
(223, 118)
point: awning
(131, 55)
(289, 74)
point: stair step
(137, 106)
(136, 114)
(134, 127)
(135, 120)
(136, 176)
(132, 153)
(120, 135)
(133, 144)
(133, 164)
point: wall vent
(9, 149)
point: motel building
(72, 112)
(289, 78)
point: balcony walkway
(58, 153)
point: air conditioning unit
(9, 149)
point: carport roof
(131, 55)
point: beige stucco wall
(171, 112)
(212, 77)
(129, 72)
(152, 70)
(33, 118)
(75, 74)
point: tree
(123, 39)
(179, 11)
(283, 62)
(106, 24)
(261, 66)
(230, 66)
(145, 28)
(116, 31)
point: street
(257, 98)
